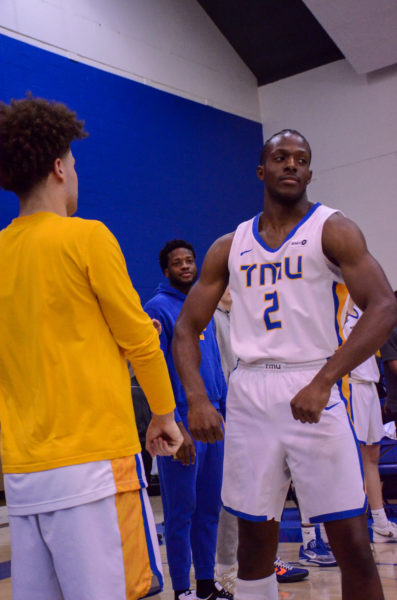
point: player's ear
(309, 177)
(260, 172)
(58, 168)
(166, 272)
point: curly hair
(169, 247)
(34, 132)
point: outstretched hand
(309, 402)
(163, 436)
(205, 423)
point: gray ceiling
(280, 38)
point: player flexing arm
(344, 245)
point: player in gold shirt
(80, 520)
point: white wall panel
(350, 121)
(169, 44)
(364, 30)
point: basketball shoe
(316, 554)
(219, 592)
(228, 579)
(287, 573)
(385, 535)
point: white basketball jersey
(368, 370)
(288, 302)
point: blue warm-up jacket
(165, 306)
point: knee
(357, 556)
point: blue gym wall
(155, 167)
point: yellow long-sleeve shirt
(69, 319)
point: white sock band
(257, 589)
(380, 518)
(308, 534)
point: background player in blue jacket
(191, 481)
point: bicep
(392, 364)
(204, 296)
(345, 245)
(366, 281)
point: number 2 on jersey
(274, 307)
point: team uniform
(365, 406)
(288, 306)
(191, 494)
(74, 478)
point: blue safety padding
(155, 167)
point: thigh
(209, 477)
(376, 430)
(325, 464)
(32, 570)
(104, 549)
(178, 487)
(367, 414)
(255, 474)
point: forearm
(187, 359)
(152, 373)
(371, 331)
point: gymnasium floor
(322, 583)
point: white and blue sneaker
(317, 554)
(386, 535)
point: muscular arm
(205, 424)
(392, 366)
(344, 245)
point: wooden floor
(322, 583)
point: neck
(42, 199)
(181, 287)
(280, 210)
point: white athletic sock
(323, 533)
(257, 589)
(380, 518)
(308, 534)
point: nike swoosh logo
(245, 251)
(332, 406)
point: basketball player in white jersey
(367, 418)
(286, 414)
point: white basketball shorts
(366, 413)
(103, 550)
(265, 447)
